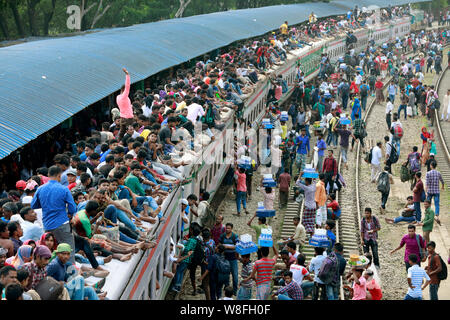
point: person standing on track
(309, 214)
(389, 108)
(124, 103)
(321, 201)
(375, 163)
(303, 149)
(241, 194)
(262, 273)
(379, 91)
(284, 182)
(330, 171)
(432, 179)
(369, 234)
(412, 242)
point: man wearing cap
(37, 267)
(61, 270)
(54, 198)
(20, 186)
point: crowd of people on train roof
(100, 197)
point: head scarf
(29, 241)
(42, 241)
(24, 251)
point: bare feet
(107, 259)
(126, 257)
(102, 296)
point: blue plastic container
(269, 183)
(265, 213)
(265, 243)
(243, 251)
(322, 243)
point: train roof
(46, 82)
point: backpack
(209, 217)
(223, 265)
(404, 173)
(368, 157)
(329, 269)
(198, 256)
(364, 90)
(398, 132)
(414, 164)
(422, 251)
(436, 104)
(393, 157)
(383, 182)
(442, 275)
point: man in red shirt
(417, 194)
(330, 171)
(284, 182)
(262, 273)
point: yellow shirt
(321, 194)
(284, 28)
(181, 106)
(283, 132)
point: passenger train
(137, 280)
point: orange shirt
(321, 194)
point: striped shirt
(263, 269)
(245, 273)
(293, 290)
(433, 177)
(416, 274)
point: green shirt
(189, 246)
(258, 228)
(320, 107)
(428, 220)
(133, 183)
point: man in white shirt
(195, 110)
(396, 140)
(389, 108)
(375, 163)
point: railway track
(443, 131)
(347, 227)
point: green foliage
(24, 18)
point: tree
(48, 15)
(31, 6)
(183, 6)
(15, 11)
(3, 22)
(98, 15)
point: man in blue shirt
(322, 146)
(58, 208)
(302, 143)
(62, 270)
(64, 163)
